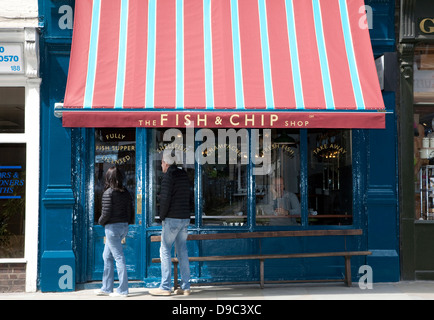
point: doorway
(114, 147)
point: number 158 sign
(11, 58)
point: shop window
(225, 170)
(223, 166)
(424, 74)
(114, 147)
(12, 200)
(173, 141)
(424, 163)
(424, 131)
(278, 192)
(330, 181)
(12, 102)
(223, 161)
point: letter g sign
(427, 25)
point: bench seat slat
(272, 256)
(269, 234)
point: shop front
(19, 156)
(416, 152)
(276, 130)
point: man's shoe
(183, 292)
(159, 292)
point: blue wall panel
(382, 199)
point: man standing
(175, 217)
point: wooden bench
(262, 257)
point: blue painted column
(57, 261)
(382, 199)
(57, 258)
(57, 266)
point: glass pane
(424, 162)
(278, 192)
(330, 177)
(114, 147)
(161, 140)
(12, 199)
(424, 74)
(224, 177)
(12, 102)
(423, 131)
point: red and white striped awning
(222, 63)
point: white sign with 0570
(11, 58)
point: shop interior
(424, 131)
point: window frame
(357, 184)
(31, 139)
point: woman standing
(117, 212)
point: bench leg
(261, 271)
(348, 271)
(175, 275)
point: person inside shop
(116, 214)
(419, 135)
(175, 217)
(285, 203)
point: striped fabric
(240, 55)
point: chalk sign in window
(11, 58)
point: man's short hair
(172, 156)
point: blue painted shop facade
(358, 190)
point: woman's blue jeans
(174, 231)
(113, 251)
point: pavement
(404, 290)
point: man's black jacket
(175, 194)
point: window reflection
(12, 199)
(225, 175)
(423, 131)
(424, 74)
(224, 194)
(12, 105)
(330, 177)
(223, 160)
(174, 141)
(114, 147)
(277, 193)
